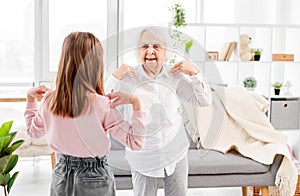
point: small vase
(250, 89)
(256, 57)
(277, 91)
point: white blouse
(166, 142)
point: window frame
(43, 73)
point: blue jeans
(75, 176)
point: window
(32, 36)
(73, 15)
(17, 41)
(33, 30)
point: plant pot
(256, 57)
(277, 91)
(250, 89)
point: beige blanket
(236, 119)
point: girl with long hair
(76, 118)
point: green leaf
(13, 147)
(2, 180)
(250, 82)
(12, 136)
(7, 163)
(4, 142)
(188, 45)
(11, 181)
(178, 15)
(5, 128)
(11, 163)
(7, 142)
(277, 85)
(6, 178)
(3, 162)
(7, 160)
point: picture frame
(212, 56)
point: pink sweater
(85, 136)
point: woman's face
(151, 50)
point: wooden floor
(34, 180)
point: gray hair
(161, 34)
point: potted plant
(257, 53)
(8, 160)
(250, 83)
(178, 21)
(277, 86)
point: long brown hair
(80, 71)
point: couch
(207, 168)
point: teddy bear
(245, 50)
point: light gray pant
(74, 176)
(174, 185)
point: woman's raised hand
(122, 71)
(185, 67)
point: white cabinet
(284, 112)
(283, 39)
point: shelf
(269, 62)
(245, 25)
(272, 38)
(14, 99)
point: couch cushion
(206, 162)
(213, 162)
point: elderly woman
(161, 89)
